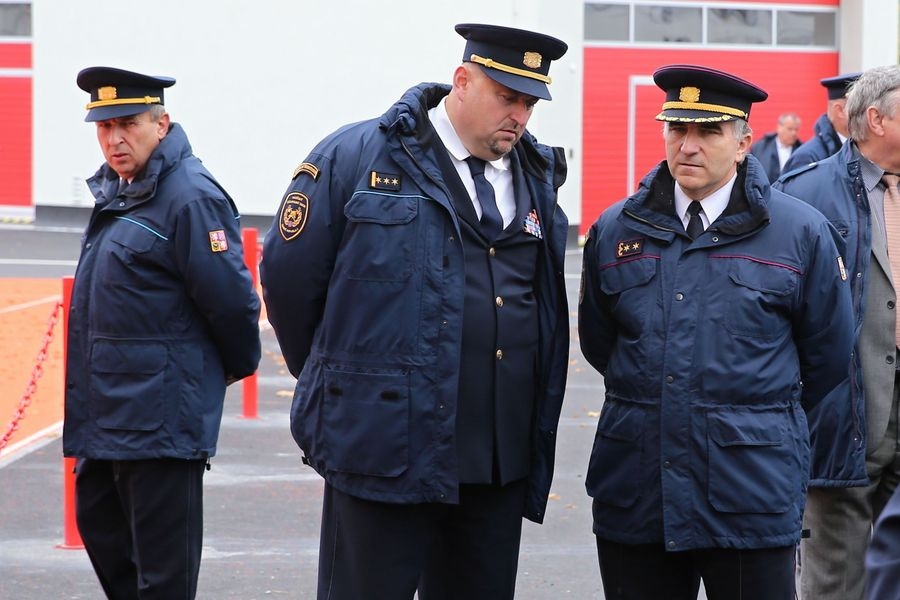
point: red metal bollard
(251, 258)
(71, 537)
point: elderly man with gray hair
(857, 190)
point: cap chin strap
(117, 101)
(492, 64)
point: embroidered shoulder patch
(629, 248)
(308, 168)
(384, 181)
(294, 210)
(217, 240)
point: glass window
(807, 28)
(606, 22)
(15, 20)
(737, 26)
(668, 24)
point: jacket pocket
(380, 237)
(624, 283)
(752, 462)
(761, 305)
(366, 422)
(614, 471)
(127, 379)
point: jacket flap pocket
(116, 356)
(135, 236)
(778, 280)
(626, 275)
(745, 428)
(381, 208)
(623, 424)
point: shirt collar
(440, 120)
(871, 173)
(713, 205)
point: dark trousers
(387, 551)
(648, 572)
(141, 522)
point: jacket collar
(747, 210)
(170, 151)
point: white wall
(868, 35)
(260, 81)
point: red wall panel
(15, 56)
(15, 141)
(15, 125)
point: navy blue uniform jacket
(718, 357)
(163, 310)
(363, 277)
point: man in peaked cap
(414, 278)
(163, 317)
(707, 297)
(831, 130)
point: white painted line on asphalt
(33, 303)
(28, 445)
(40, 262)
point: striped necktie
(892, 232)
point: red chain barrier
(36, 374)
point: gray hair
(876, 88)
(788, 115)
(156, 112)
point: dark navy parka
(363, 277)
(163, 311)
(718, 357)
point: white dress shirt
(498, 171)
(713, 205)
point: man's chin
(500, 149)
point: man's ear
(162, 126)
(874, 121)
(461, 79)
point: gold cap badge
(106, 93)
(532, 60)
(689, 94)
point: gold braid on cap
(115, 101)
(703, 106)
(492, 64)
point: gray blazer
(877, 343)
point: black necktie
(491, 221)
(695, 225)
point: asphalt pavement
(262, 505)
